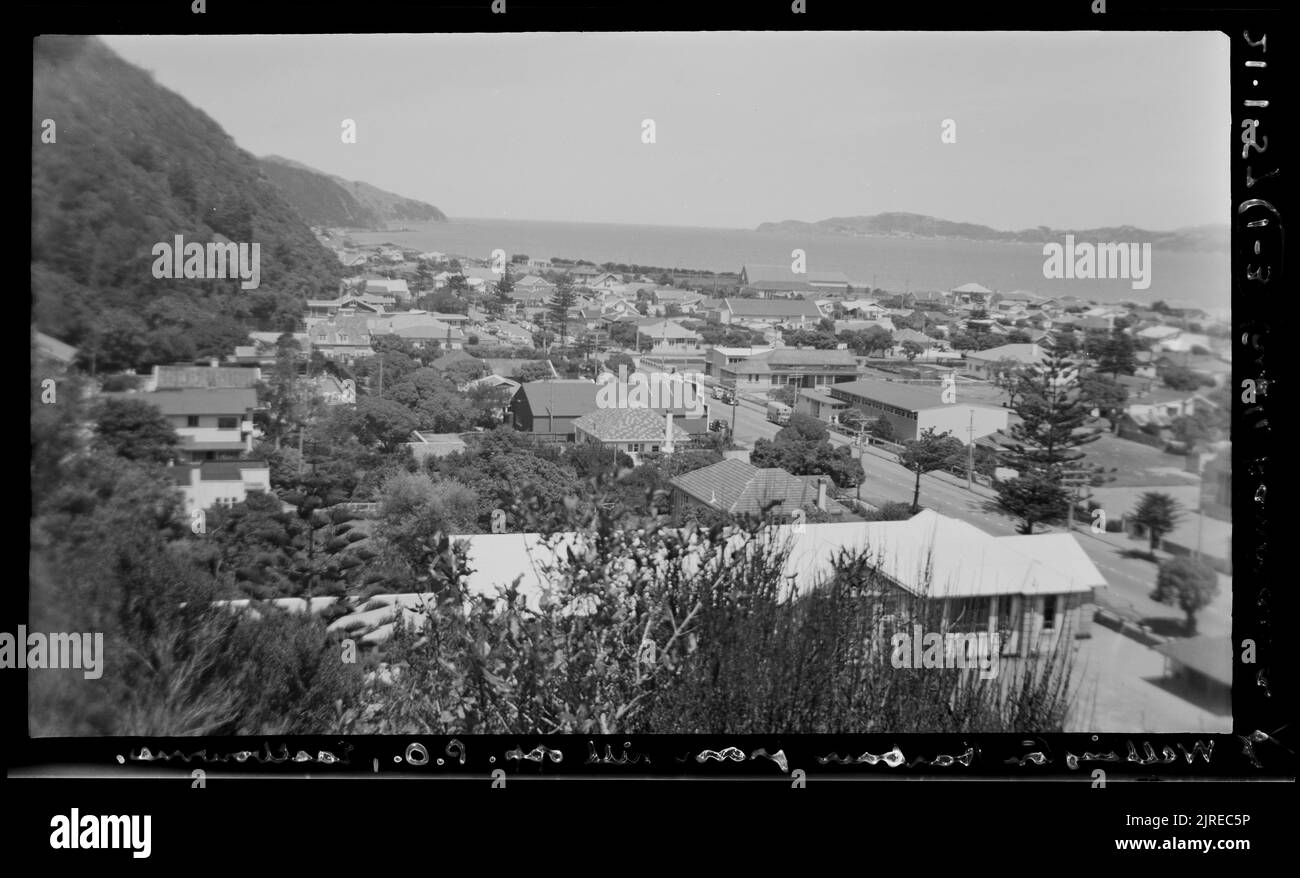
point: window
(970, 614)
(227, 423)
(191, 420)
(1006, 622)
(1049, 613)
(654, 447)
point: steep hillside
(326, 200)
(132, 165)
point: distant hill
(132, 165)
(326, 200)
(914, 225)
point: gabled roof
(667, 329)
(628, 425)
(972, 288)
(560, 398)
(739, 487)
(945, 557)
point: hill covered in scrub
(326, 200)
(133, 164)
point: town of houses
(870, 365)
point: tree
(538, 371)
(135, 430)
(499, 304)
(1117, 355)
(786, 393)
(1158, 513)
(802, 428)
(623, 334)
(929, 452)
(1189, 583)
(617, 359)
(912, 349)
(1045, 442)
(559, 306)
(1183, 378)
(1104, 394)
(1018, 336)
(384, 422)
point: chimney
(821, 495)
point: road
(1130, 579)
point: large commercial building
(912, 408)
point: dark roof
(560, 399)
(1209, 656)
(738, 486)
(772, 307)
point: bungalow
(667, 336)
(988, 363)
(1160, 406)
(582, 275)
(630, 430)
(740, 488)
(929, 347)
(1037, 591)
(794, 313)
(686, 301)
(219, 483)
(911, 409)
(789, 366)
(548, 409)
(869, 309)
(347, 304)
(718, 358)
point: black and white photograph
(631, 383)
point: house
(1154, 335)
(818, 403)
(426, 445)
(397, 290)
(508, 368)
(686, 301)
(213, 423)
(183, 377)
(885, 323)
(581, 275)
(793, 313)
(509, 333)
(929, 347)
(988, 363)
(1202, 667)
(631, 430)
(926, 300)
(548, 409)
(342, 338)
(740, 488)
(348, 304)
(913, 408)
(1037, 591)
(971, 295)
(219, 483)
(868, 309)
(659, 336)
(1160, 406)
(794, 366)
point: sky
(1068, 130)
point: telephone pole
(970, 450)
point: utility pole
(970, 450)
(381, 376)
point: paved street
(1130, 579)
